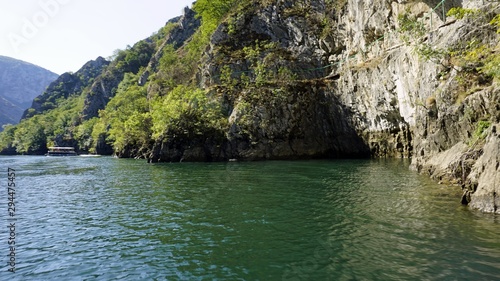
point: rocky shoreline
(283, 79)
(382, 98)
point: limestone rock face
(355, 86)
(183, 29)
(102, 90)
(104, 87)
(304, 123)
(484, 180)
(187, 25)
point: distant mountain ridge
(20, 83)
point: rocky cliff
(66, 85)
(282, 79)
(358, 79)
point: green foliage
(481, 132)
(227, 78)
(126, 122)
(173, 70)
(478, 59)
(300, 8)
(411, 31)
(261, 74)
(178, 66)
(254, 52)
(186, 112)
(410, 26)
(83, 134)
(496, 22)
(99, 133)
(285, 74)
(482, 127)
(231, 28)
(429, 53)
(33, 135)
(30, 138)
(328, 26)
(169, 57)
(132, 59)
(460, 13)
(31, 112)
(159, 36)
(268, 64)
(7, 137)
(127, 116)
(483, 58)
(245, 79)
(264, 58)
(336, 4)
(211, 13)
(491, 66)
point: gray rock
(381, 99)
(68, 84)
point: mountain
(66, 85)
(20, 83)
(283, 79)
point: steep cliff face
(105, 85)
(358, 78)
(145, 54)
(182, 29)
(331, 45)
(283, 79)
(68, 84)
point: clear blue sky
(62, 35)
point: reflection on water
(111, 219)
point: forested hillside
(279, 79)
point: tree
(30, 137)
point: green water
(110, 219)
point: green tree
(99, 133)
(30, 137)
(83, 133)
(7, 137)
(127, 115)
(212, 12)
(132, 59)
(186, 112)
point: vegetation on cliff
(71, 111)
(252, 76)
(289, 79)
(57, 116)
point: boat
(61, 151)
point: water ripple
(109, 219)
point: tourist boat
(61, 151)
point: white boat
(61, 151)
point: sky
(62, 35)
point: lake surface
(114, 219)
